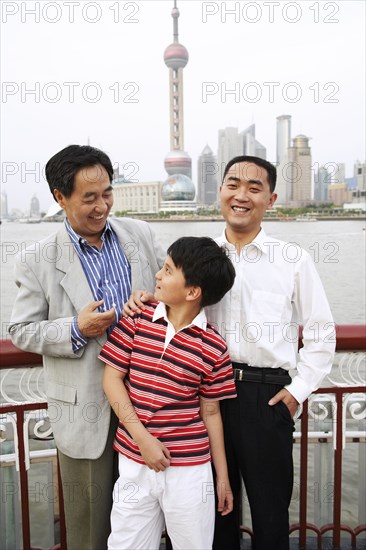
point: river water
(337, 247)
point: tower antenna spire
(175, 15)
(176, 58)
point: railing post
(338, 474)
(23, 482)
(303, 474)
(362, 480)
(323, 475)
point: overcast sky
(74, 71)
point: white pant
(142, 499)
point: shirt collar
(199, 321)
(80, 241)
(258, 242)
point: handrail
(348, 338)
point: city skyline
(276, 52)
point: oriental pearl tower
(178, 164)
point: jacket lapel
(134, 255)
(74, 281)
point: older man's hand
(94, 323)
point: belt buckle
(238, 374)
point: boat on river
(305, 219)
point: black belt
(245, 373)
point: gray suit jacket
(52, 290)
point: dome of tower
(176, 56)
(178, 162)
(178, 187)
(301, 141)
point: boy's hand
(225, 497)
(155, 454)
(136, 302)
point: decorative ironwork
(333, 414)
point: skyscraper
(232, 143)
(322, 180)
(359, 171)
(229, 146)
(207, 181)
(251, 145)
(359, 194)
(34, 207)
(4, 205)
(283, 142)
(178, 188)
(340, 175)
(300, 176)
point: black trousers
(258, 441)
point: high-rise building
(4, 205)
(359, 194)
(340, 173)
(35, 209)
(250, 145)
(229, 146)
(178, 190)
(283, 142)
(322, 180)
(299, 171)
(231, 143)
(359, 171)
(207, 181)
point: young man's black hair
(62, 167)
(205, 264)
(270, 168)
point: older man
(72, 286)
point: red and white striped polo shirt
(165, 386)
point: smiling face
(88, 206)
(245, 196)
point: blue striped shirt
(108, 274)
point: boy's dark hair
(270, 168)
(63, 166)
(205, 264)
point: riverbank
(177, 218)
(197, 218)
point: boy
(166, 371)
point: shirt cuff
(78, 341)
(299, 389)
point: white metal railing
(336, 427)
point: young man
(71, 289)
(166, 372)
(276, 290)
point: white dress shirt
(276, 289)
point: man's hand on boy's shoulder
(136, 302)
